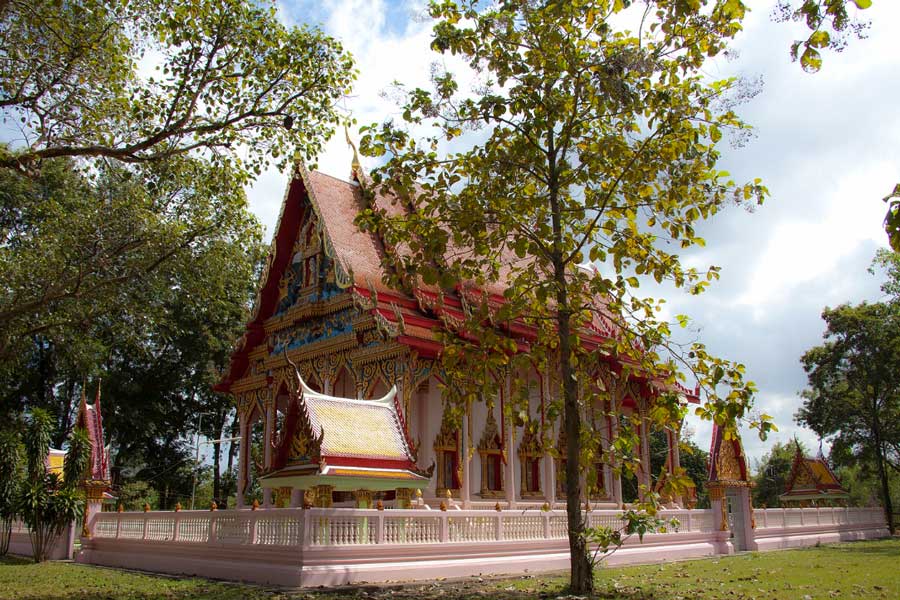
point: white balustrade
(317, 527)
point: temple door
(739, 517)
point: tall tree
(142, 81)
(141, 277)
(599, 146)
(853, 393)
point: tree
(599, 146)
(143, 81)
(11, 477)
(140, 279)
(49, 503)
(772, 473)
(853, 393)
(830, 24)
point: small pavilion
(812, 483)
(332, 444)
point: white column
(242, 461)
(614, 428)
(269, 432)
(512, 457)
(465, 492)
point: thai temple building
(323, 305)
(812, 483)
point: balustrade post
(176, 520)
(379, 529)
(307, 530)
(445, 528)
(498, 526)
(689, 521)
(213, 536)
(802, 518)
(146, 527)
(118, 524)
(253, 533)
(818, 516)
(545, 521)
(765, 516)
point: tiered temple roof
(90, 419)
(811, 479)
(346, 443)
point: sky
(825, 144)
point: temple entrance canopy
(344, 445)
(812, 483)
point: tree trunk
(581, 577)
(882, 471)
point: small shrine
(333, 444)
(96, 482)
(729, 486)
(812, 483)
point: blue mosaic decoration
(318, 330)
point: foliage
(134, 494)
(862, 483)
(598, 146)
(47, 502)
(143, 279)
(772, 473)
(639, 521)
(143, 81)
(830, 23)
(892, 218)
(853, 394)
(11, 479)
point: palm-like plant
(48, 503)
(10, 482)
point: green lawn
(858, 570)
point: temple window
(490, 449)
(531, 452)
(344, 384)
(446, 451)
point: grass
(855, 570)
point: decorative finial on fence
(146, 507)
(443, 506)
(213, 506)
(255, 505)
(497, 507)
(379, 505)
(178, 507)
(120, 508)
(545, 507)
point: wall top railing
(321, 527)
(327, 527)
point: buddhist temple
(812, 483)
(323, 305)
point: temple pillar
(267, 497)
(363, 498)
(322, 496)
(465, 492)
(283, 497)
(403, 498)
(269, 432)
(296, 498)
(673, 464)
(242, 476)
(512, 457)
(644, 439)
(616, 478)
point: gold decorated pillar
(363, 498)
(93, 493)
(403, 498)
(322, 496)
(283, 497)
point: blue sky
(826, 145)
